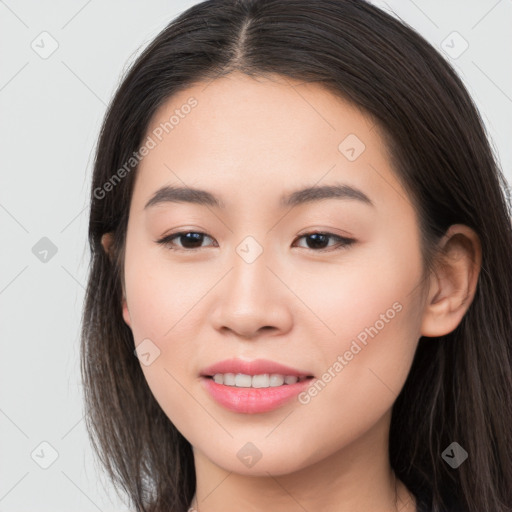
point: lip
(252, 400)
(255, 367)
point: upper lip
(254, 367)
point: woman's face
(251, 282)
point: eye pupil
(318, 240)
(191, 237)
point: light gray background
(51, 110)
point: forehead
(245, 135)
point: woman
(231, 356)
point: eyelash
(343, 242)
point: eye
(318, 239)
(191, 240)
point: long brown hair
(460, 386)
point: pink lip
(252, 400)
(255, 367)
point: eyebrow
(178, 194)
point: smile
(241, 380)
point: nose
(253, 300)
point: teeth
(243, 381)
(276, 380)
(229, 379)
(240, 380)
(219, 378)
(261, 381)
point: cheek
(158, 293)
(363, 366)
(163, 323)
(168, 318)
(367, 294)
(370, 318)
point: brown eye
(189, 240)
(318, 241)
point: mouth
(252, 387)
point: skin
(249, 141)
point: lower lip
(253, 400)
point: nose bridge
(250, 277)
(251, 296)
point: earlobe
(106, 242)
(453, 285)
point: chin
(274, 463)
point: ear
(453, 284)
(106, 242)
